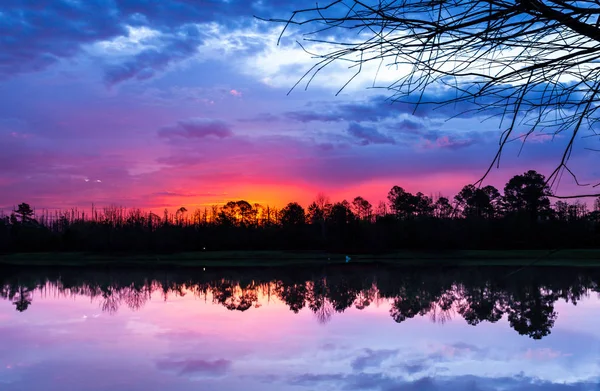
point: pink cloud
(445, 142)
(236, 93)
(542, 354)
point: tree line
(522, 216)
(526, 298)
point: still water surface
(300, 329)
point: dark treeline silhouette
(476, 218)
(527, 297)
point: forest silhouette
(522, 217)
(476, 295)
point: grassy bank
(582, 258)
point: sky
(154, 104)
(187, 343)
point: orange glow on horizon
(276, 195)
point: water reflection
(527, 298)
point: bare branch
(532, 63)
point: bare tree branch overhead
(533, 64)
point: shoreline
(567, 257)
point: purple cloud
(144, 65)
(261, 118)
(448, 142)
(36, 36)
(310, 115)
(384, 382)
(215, 368)
(372, 358)
(378, 108)
(373, 109)
(196, 128)
(368, 135)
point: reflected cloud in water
(347, 328)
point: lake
(340, 327)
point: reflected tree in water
(413, 299)
(19, 295)
(342, 294)
(233, 297)
(527, 298)
(531, 312)
(318, 300)
(22, 299)
(443, 309)
(111, 299)
(482, 303)
(136, 296)
(365, 297)
(293, 295)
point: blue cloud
(34, 37)
(190, 367)
(172, 48)
(196, 128)
(383, 382)
(372, 359)
(368, 135)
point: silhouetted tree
(293, 214)
(527, 193)
(318, 211)
(362, 208)
(401, 202)
(423, 205)
(179, 215)
(442, 208)
(341, 213)
(227, 216)
(406, 205)
(24, 212)
(478, 202)
(561, 209)
(237, 213)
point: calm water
(301, 329)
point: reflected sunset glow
(226, 333)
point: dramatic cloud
(200, 108)
(37, 36)
(368, 135)
(197, 128)
(372, 109)
(164, 50)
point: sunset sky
(167, 103)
